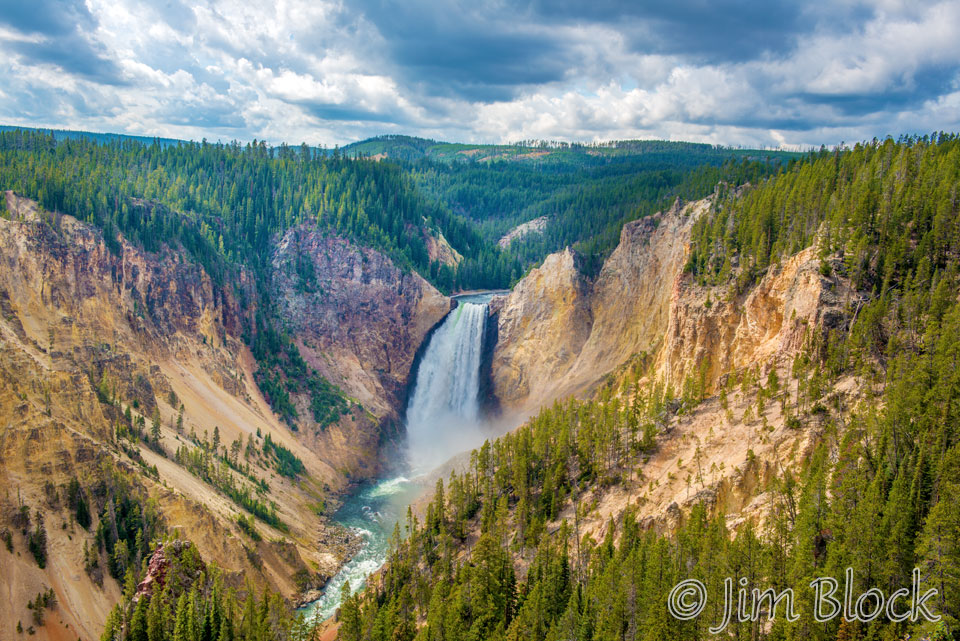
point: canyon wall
(88, 333)
(560, 334)
(358, 320)
(711, 331)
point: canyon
(153, 327)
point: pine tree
(113, 627)
(155, 425)
(183, 624)
(157, 617)
(137, 630)
(349, 615)
(37, 542)
(939, 551)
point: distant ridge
(102, 138)
(411, 149)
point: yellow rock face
(559, 334)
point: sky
(771, 74)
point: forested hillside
(554, 153)
(499, 553)
(64, 134)
(224, 203)
(586, 192)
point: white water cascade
(443, 414)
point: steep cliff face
(88, 334)
(559, 334)
(541, 328)
(711, 331)
(357, 317)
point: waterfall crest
(443, 415)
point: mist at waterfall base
(443, 418)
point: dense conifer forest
(585, 192)
(194, 604)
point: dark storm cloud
(718, 30)
(326, 111)
(208, 116)
(786, 122)
(905, 92)
(58, 35)
(73, 55)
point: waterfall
(443, 415)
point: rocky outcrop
(559, 334)
(534, 226)
(711, 332)
(357, 317)
(441, 251)
(165, 556)
(541, 328)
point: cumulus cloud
(778, 73)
